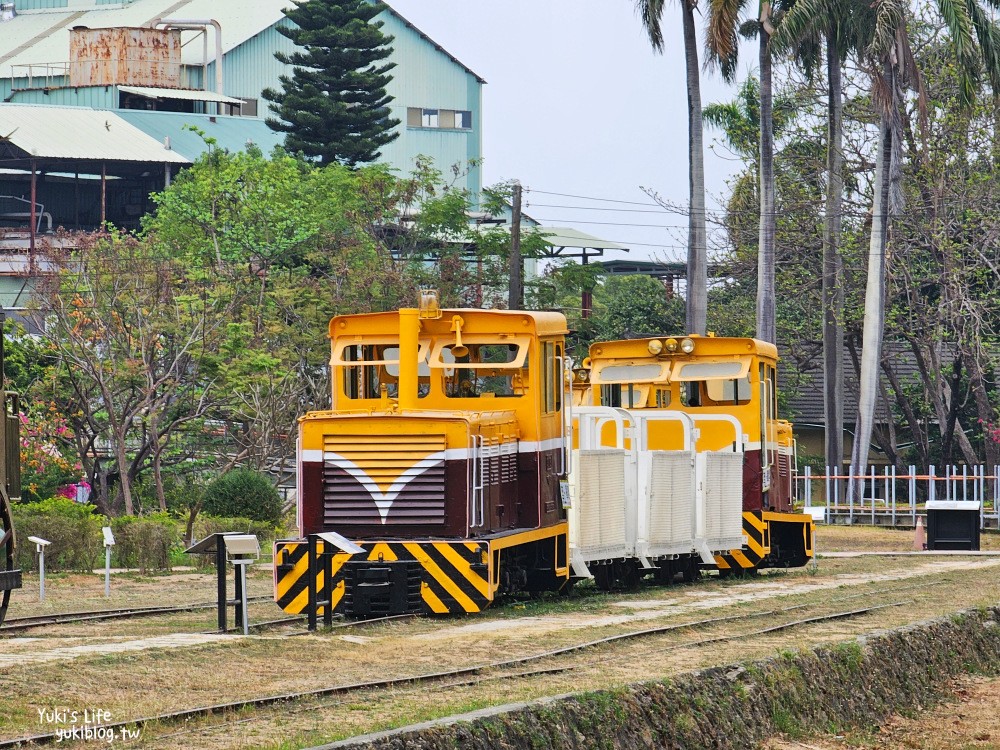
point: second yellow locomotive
(682, 461)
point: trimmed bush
(73, 529)
(145, 542)
(243, 493)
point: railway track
(474, 674)
(16, 624)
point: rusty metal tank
(127, 56)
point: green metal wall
(424, 77)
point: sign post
(40, 545)
(109, 542)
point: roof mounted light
(687, 345)
(655, 347)
(671, 345)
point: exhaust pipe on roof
(7, 12)
(189, 23)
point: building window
(445, 119)
(249, 108)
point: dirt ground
(970, 722)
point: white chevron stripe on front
(384, 500)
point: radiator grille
(387, 468)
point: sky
(577, 104)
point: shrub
(145, 542)
(243, 493)
(73, 529)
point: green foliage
(25, 358)
(145, 542)
(73, 529)
(182, 491)
(334, 105)
(633, 307)
(243, 493)
(201, 338)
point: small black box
(953, 525)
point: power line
(590, 198)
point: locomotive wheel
(619, 575)
(692, 572)
(7, 561)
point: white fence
(888, 498)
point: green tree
(334, 106)
(893, 67)
(135, 335)
(632, 307)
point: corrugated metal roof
(79, 133)
(230, 133)
(560, 236)
(34, 37)
(570, 237)
(438, 46)
(185, 94)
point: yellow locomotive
(682, 462)
(437, 468)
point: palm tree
(876, 34)
(723, 48)
(892, 65)
(805, 24)
(739, 121)
(651, 14)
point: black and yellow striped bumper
(758, 529)
(454, 576)
(440, 576)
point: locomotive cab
(441, 458)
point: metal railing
(27, 76)
(890, 498)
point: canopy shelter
(567, 242)
(69, 156)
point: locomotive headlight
(582, 375)
(687, 346)
(671, 345)
(655, 347)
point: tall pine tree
(334, 105)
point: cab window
(377, 368)
(734, 392)
(485, 370)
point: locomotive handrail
(479, 487)
(664, 416)
(738, 435)
(565, 451)
(593, 418)
(477, 484)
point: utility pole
(516, 294)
